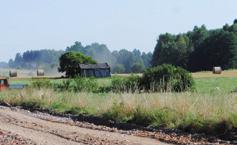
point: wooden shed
(3, 83)
(98, 70)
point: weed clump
(78, 84)
(126, 84)
(39, 84)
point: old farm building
(3, 83)
(95, 70)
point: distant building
(98, 70)
(3, 83)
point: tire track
(51, 132)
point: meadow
(205, 82)
(210, 108)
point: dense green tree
(69, 63)
(235, 21)
(198, 35)
(172, 49)
(165, 50)
(200, 49)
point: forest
(200, 49)
(197, 50)
(122, 61)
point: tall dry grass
(190, 111)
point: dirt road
(43, 129)
(22, 127)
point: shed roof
(3, 78)
(94, 66)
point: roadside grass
(193, 112)
(211, 108)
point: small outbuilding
(3, 83)
(98, 70)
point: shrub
(42, 84)
(166, 78)
(77, 85)
(125, 84)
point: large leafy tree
(172, 49)
(69, 63)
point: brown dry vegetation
(209, 74)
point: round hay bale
(13, 73)
(40, 72)
(217, 70)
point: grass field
(205, 82)
(211, 108)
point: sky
(120, 24)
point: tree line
(31, 59)
(196, 50)
(122, 61)
(199, 49)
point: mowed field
(205, 82)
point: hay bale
(217, 70)
(13, 73)
(40, 72)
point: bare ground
(18, 126)
(52, 132)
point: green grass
(213, 85)
(202, 85)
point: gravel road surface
(22, 127)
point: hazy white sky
(55, 24)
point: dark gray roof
(94, 66)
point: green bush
(125, 84)
(42, 84)
(78, 85)
(166, 78)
